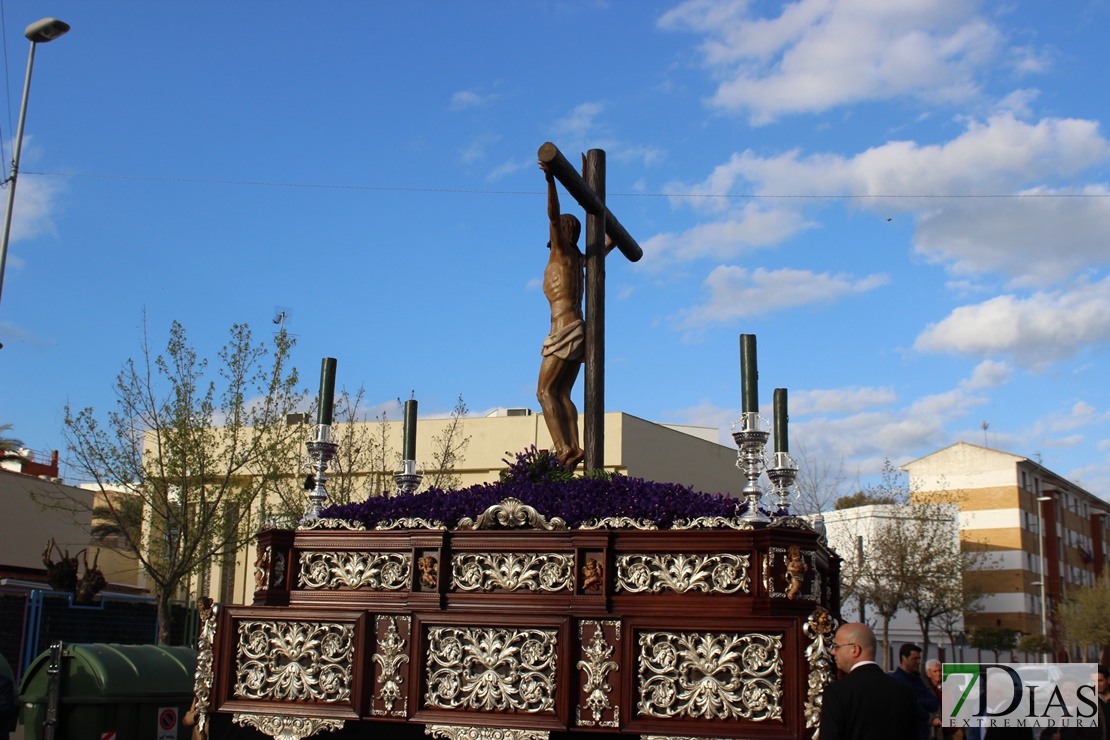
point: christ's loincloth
(567, 344)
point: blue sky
(907, 203)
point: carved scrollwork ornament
(819, 629)
(706, 675)
(513, 514)
(391, 657)
(597, 665)
(287, 728)
(204, 677)
(411, 523)
(618, 522)
(460, 732)
(376, 571)
(332, 524)
(723, 573)
(294, 661)
(491, 669)
(713, 522)
(512, 571)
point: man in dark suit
(866, 704)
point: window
(1024, 481)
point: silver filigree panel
(512, 571)
(724, 573)
(391, 658)
(294, 661)
(287, 728)
(376, 571)
(597, 664)
(819, 628)
(459, 732)
(495, 669)
(709, 675)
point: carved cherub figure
(592, 575)
(795, 568)
(262, 568)
(427, 566)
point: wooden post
(594, 406)
(578, 188)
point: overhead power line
(469, 191)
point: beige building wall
(61, 513)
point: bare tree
(191, 461)
(819, 481)
(449, 449)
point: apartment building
(1045, 534)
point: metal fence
(30, 620)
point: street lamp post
(39, 32)
(1044, 575)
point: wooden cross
(590, 194)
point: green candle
(749, 376)
(782, 444)
(327, 391)
(410, 430)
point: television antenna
(280, 317)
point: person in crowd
(866, 704)
(908, 672)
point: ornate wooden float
(515, 626)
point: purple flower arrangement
(536, 479)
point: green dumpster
(134, 691)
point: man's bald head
(855, 642)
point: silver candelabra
(322, 451)
(751, 438)
(408, 480)
(783, 474)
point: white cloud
(753, 227)
(999, 155)
(508, 168)
(818, 54)
(478, 147)
(736, 292)
(987, 374)
(839, 400)
(1034, 331)
(579, 121)
(469, 99)
(35, 208)
(1033, 239)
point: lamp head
(45, 30)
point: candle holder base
(408, 480)
(751, 438)
(322, 450)
(783, 474)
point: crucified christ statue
(564, 348)
(574, 341)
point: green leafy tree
(187, 452)
(1034, 644)
(1085, 617)
(995, 639)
